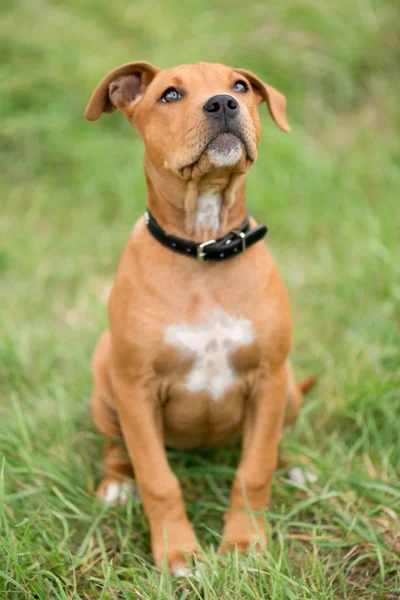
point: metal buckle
(242, 235)
(200, 247)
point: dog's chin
(226, 150)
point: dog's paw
(180, 563)
(184, 570)
(301, 476)
(243, 532)
(183, 565)
(255, 545)
(118, 492)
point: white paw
(183, 570)
(118, 492)
(301, 476)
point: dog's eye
(240, 86)
(171, 95)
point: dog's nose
(220, 106)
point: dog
(199, 321)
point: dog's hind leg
(295, 393)
(118, 482)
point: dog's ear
(120, 88)
(275, 100)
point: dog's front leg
(252, 484)
(172, 536)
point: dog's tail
(307, 383)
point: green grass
(70, 192)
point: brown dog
(196, 354)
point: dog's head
(204, 114)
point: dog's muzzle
(227, 136)
(222, 107)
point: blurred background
(70, 192)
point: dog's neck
(201, 208)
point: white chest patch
(207, 212)
(210, 345)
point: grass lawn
(70, 192)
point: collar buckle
(241, 234)
(200, 250)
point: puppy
(199, 319)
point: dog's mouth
(224, 149)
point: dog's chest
(210, 346)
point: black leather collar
(232, 244)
